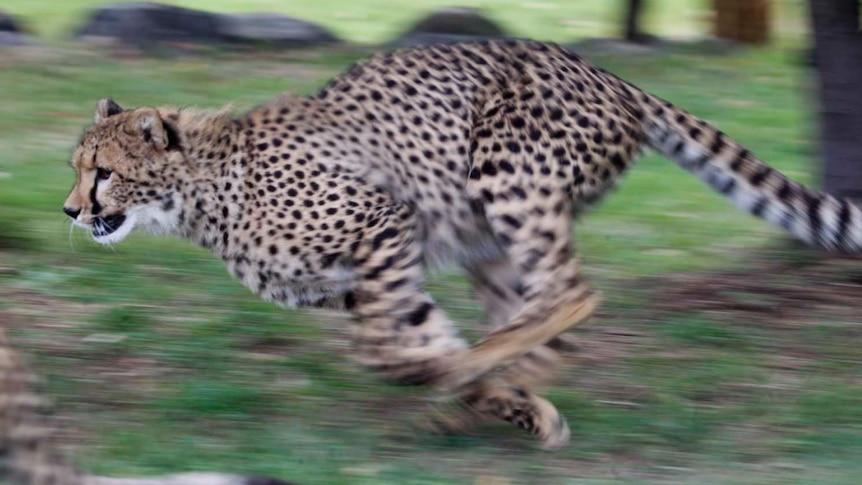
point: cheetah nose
(73, 213)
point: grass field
(716, 359)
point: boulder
(273, 29)
(145, 25)
(10, 24)
(450, 25)
(12, 32)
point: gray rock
(273, 29)
(12, 32)
(450, 25)
(146, 25)
(10, 24)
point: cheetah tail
(726, 166)
(27, 455)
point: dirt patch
(776, 289)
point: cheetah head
(127, 168)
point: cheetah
(27, 436)
(478, 155)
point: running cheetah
(478, 154)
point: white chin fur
(124, 230)
(151, 218)
(155, 220)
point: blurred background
(723, 353)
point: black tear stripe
(97, 208)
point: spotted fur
(478, 154)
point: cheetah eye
(103, 173)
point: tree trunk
(745, 21)
(838, 55)
(634, 9)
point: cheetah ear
(148, 123)
(106, 108)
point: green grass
(165, 364)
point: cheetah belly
(447, 242)
(275, 282)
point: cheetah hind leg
(536, 238)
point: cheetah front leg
(402, 333)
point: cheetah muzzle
(105, 226)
